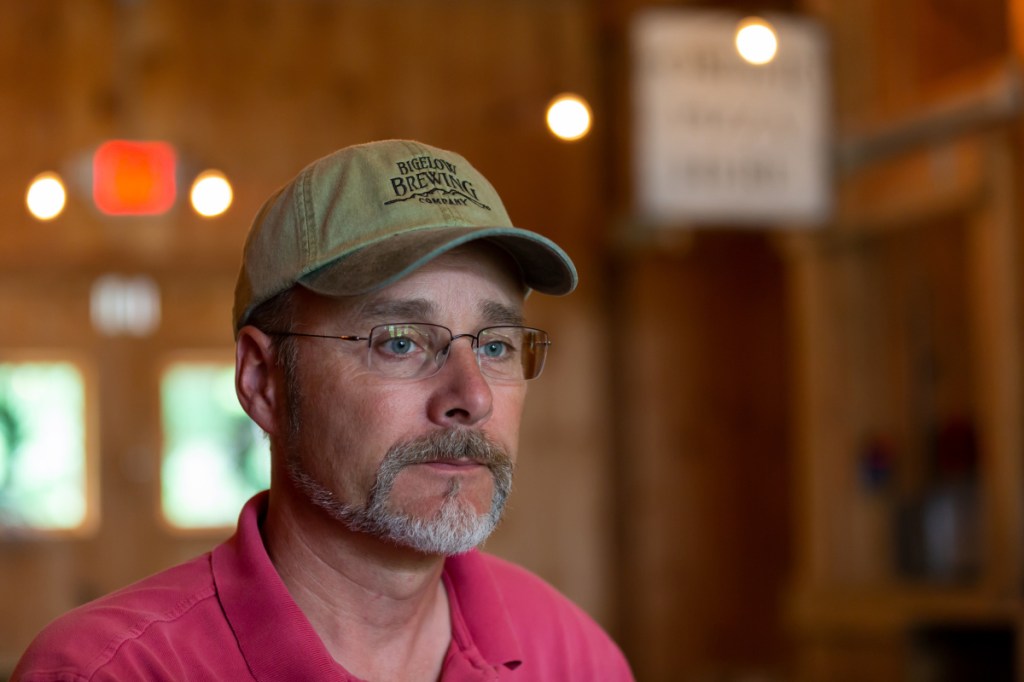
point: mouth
(453, 472)
(453, 464)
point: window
(215, 457)
(43, 476)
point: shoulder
(127, 632)
(525, 590)
(528, 597)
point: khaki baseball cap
(366, 216)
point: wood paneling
(702, 368)
(258, 89)
(660, 459)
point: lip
(453, 465)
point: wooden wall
(667, 470)
(908, 319)
(258, 88)
(705, 478)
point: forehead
(476, 279)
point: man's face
(377, 453)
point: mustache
(450, 445)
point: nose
(462, 396)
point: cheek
(351, 424)
(508, 412)
(333, 418)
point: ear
(259, 382)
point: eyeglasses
(417, 350)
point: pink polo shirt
(227, 616)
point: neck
(381, 610)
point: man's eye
(495, 349)
(399, 345)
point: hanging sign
(719, 140)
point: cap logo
(430, 180)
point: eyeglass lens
(415, 350)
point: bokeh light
(46, 196)
(569, 117)
(211, 194)
(756, 41)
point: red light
(134, 178)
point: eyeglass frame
(443, 353)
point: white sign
(719, 140)
(125, 305)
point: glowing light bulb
(46, 196)
(211, 194)
(569, 117)
(756, 41)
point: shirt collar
(276, 639)
(478, 611)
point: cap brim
(543, 265)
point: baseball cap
(365, 216)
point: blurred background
(779, 436)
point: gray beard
(454, 529)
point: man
(380, 345)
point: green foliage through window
(215, 457)
(42, 446)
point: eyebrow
(422, 310)
(392, 310)
(499, 313)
